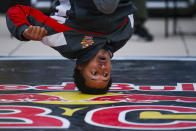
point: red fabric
(18, 15)
(124, 22)
(92, 33)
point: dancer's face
(97, 70)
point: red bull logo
(73, 98)
(125, 106)
(70, 86)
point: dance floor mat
(146, 95)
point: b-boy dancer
(89, 31)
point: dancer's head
(94, 76)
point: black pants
(142, 14)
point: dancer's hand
(35, 33)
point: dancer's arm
(20, 17)
(19, 25)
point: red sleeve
(19, 17)
(18, 13)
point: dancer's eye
(105, 74)
(94, 73)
